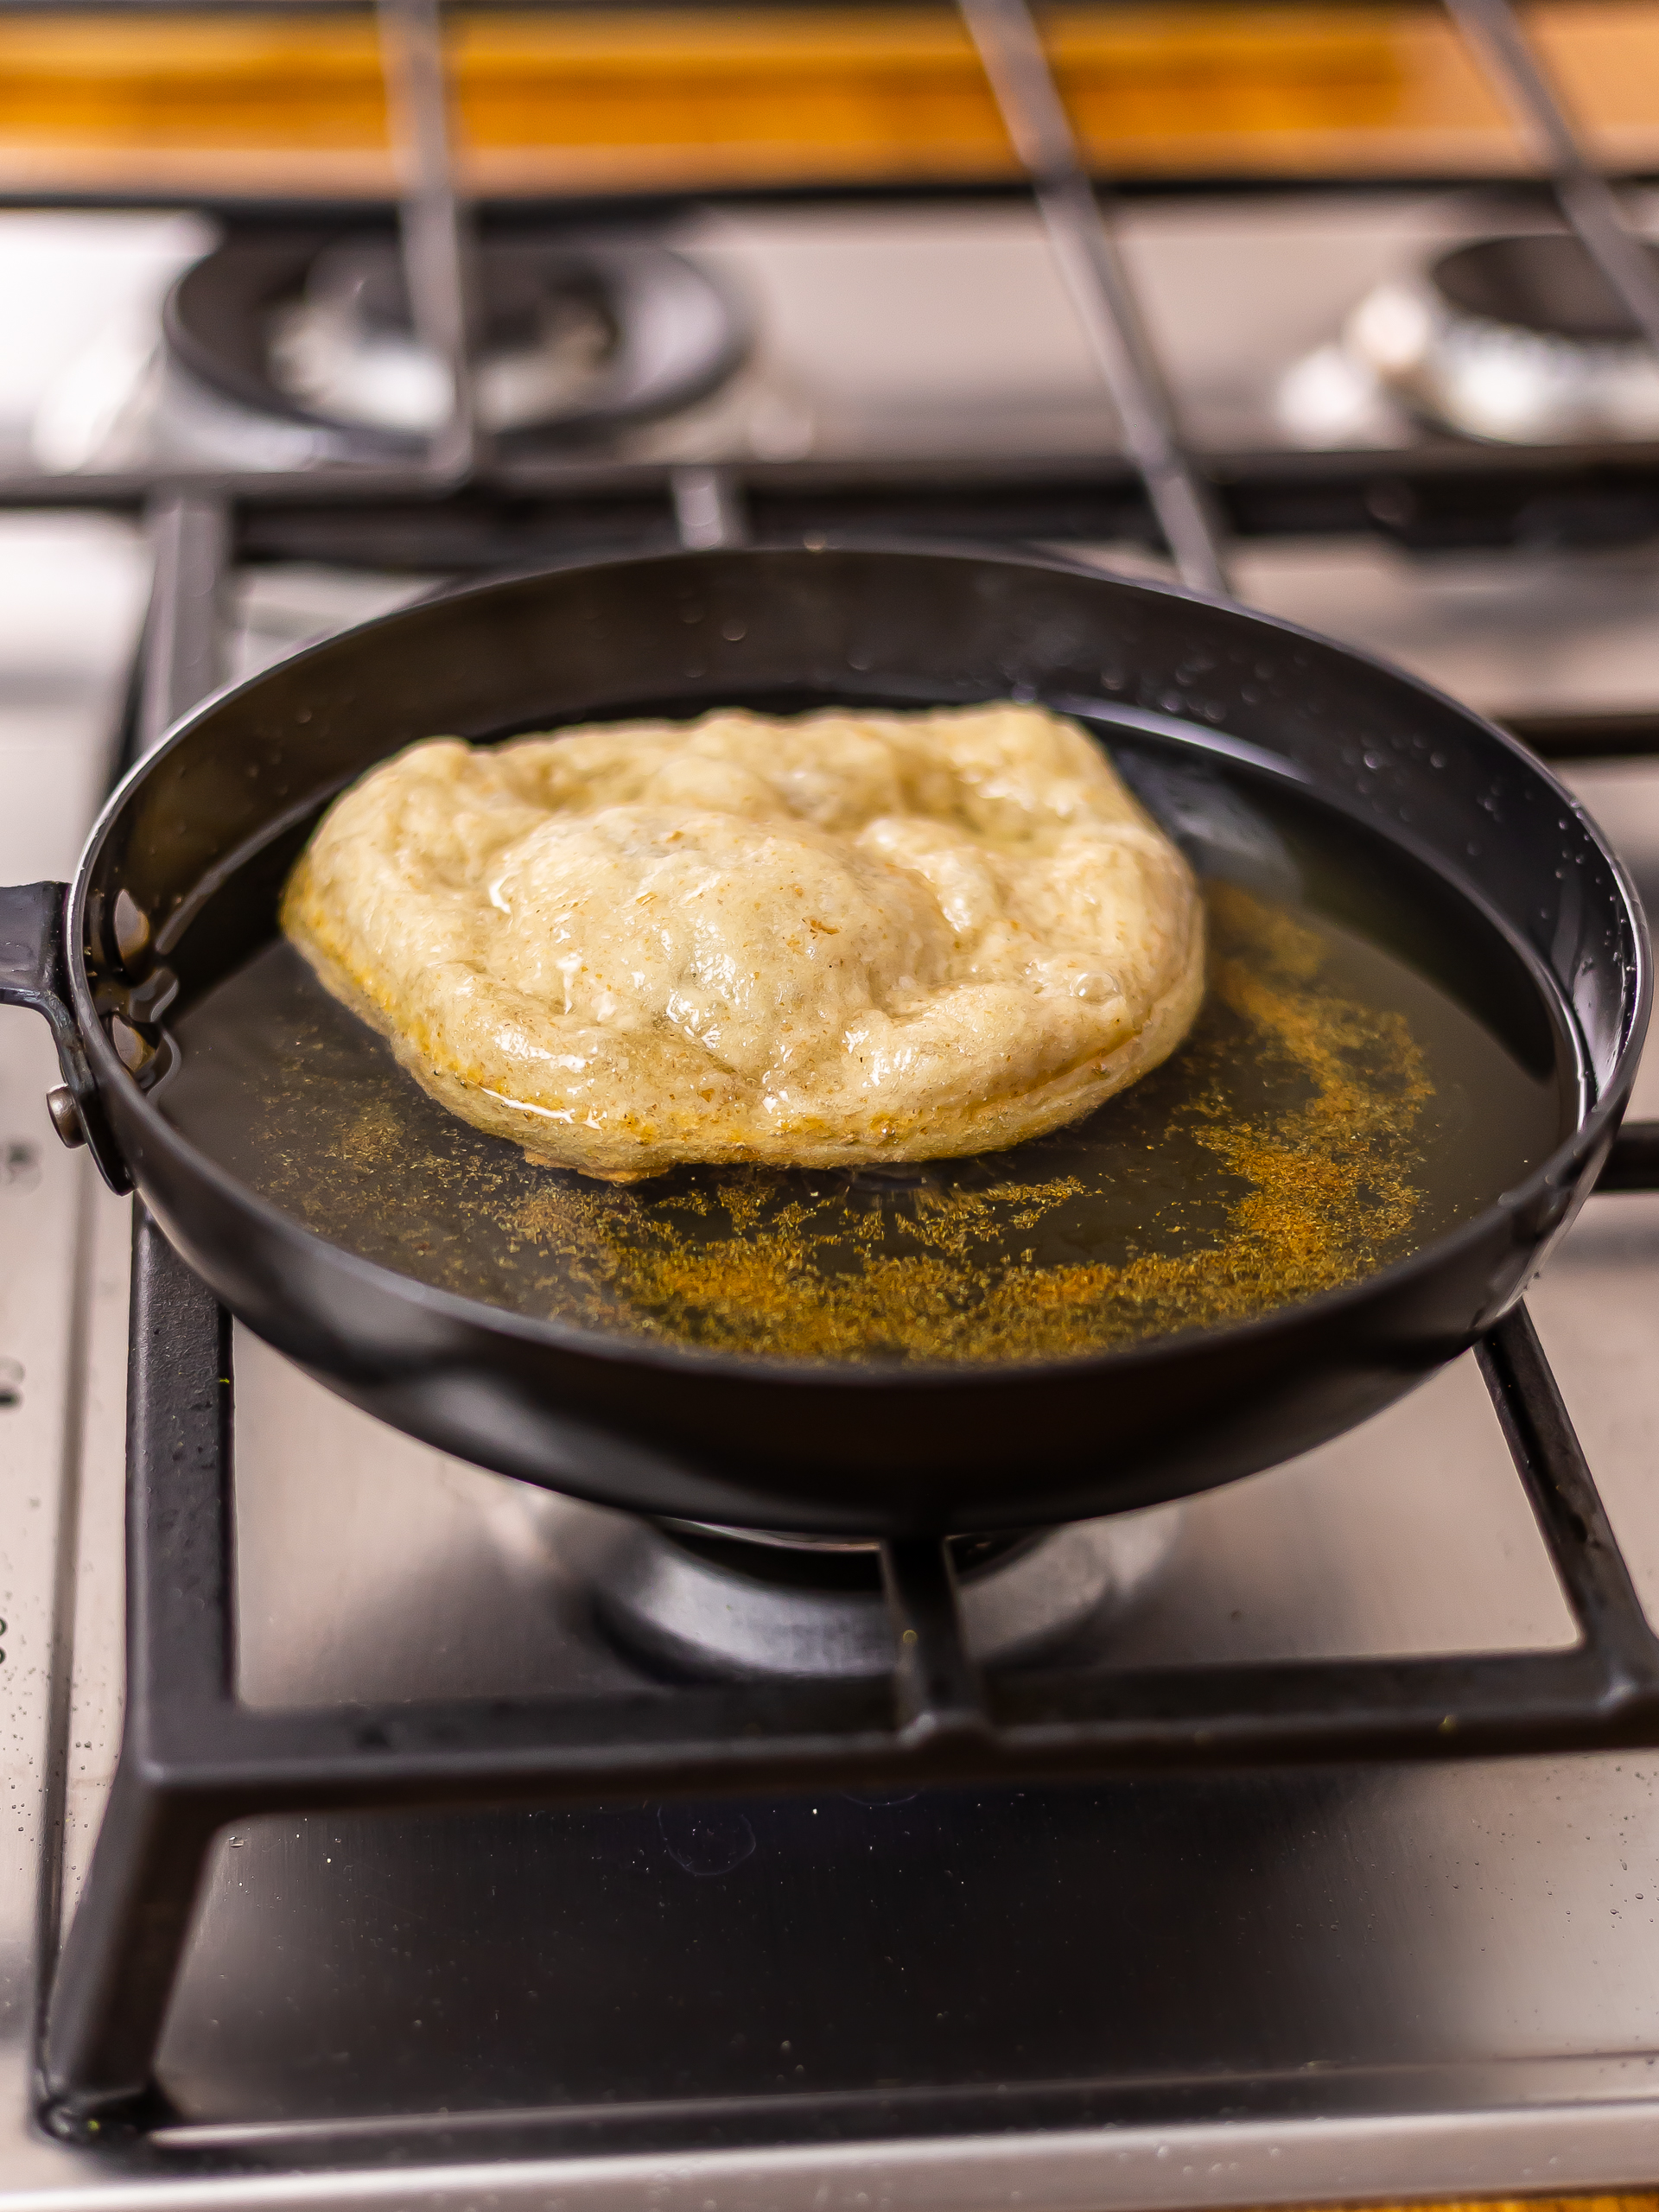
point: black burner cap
(1546, 283)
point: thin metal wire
(709, 510)
(1092, 265)
(437, 242)
(1587, 200)
(184, 648)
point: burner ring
(713, 1604)
(672, 334)
(1516, 340)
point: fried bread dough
(829, 939)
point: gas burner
(303, 343)
(345, 350)
(713, 1602)
(1516, 340)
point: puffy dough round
(833, 939)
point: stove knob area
(66, 1116)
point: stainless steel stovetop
(1167, 1992)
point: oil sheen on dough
(829, 939)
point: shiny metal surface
(71, 597)
(1487, 377)
(1531, 630)
(437, 249)
(724, 1608)
(64, 1116)
(190, 540)
(1283, 1988)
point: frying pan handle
(35, 973)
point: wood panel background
(626, 98)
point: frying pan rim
(1560, 1169)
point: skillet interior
(1373, 1066)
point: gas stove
(700, 1967)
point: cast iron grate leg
(122, 1954)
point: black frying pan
(1429, 987)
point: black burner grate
(192, 1760)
